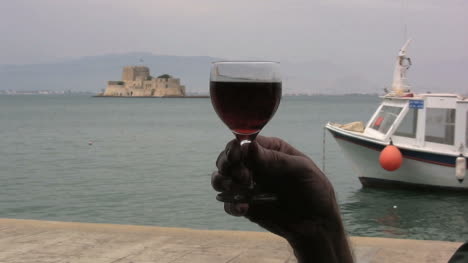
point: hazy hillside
(92, 73)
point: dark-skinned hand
(306, 207)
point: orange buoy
(390, 158)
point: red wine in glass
(245, 95)
(245, 107)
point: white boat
(430, 130)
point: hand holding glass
(245, 95)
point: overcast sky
(35, 31)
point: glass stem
(245, 138)
(245, 141)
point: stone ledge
(36, 241)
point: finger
(240, 209)
(221, 183)
(222, 158)
(233, 152)
(241, 175)
(237, 171)
(229, 157)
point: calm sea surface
(151, 160)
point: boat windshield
(386, 117)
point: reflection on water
(405, 214)
(392, 220)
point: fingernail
(240, 209)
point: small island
(137, 82)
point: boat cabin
(430, 132)
(435, 121)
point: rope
(323, 148)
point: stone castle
(137, 82)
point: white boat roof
(415, 96)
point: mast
(400, 83)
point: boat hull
(418, 170)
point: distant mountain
(92, 73)
(311, 77)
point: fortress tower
(132, 73)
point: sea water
(148, 161)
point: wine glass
(245, 95)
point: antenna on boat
(404, 7)
(400, 83)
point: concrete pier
(31, 241)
